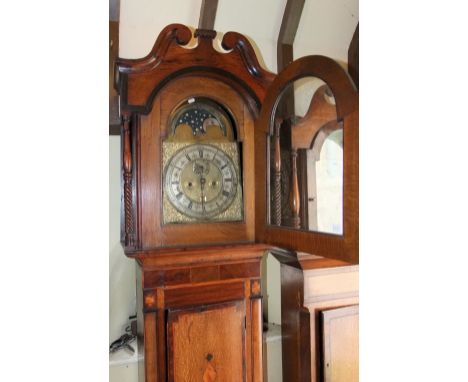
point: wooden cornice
(188, 256)
(139, 80)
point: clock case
(186, 271)
(151, 87)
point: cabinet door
(207, 344)
(307, 161)
(340, 344)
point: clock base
(200, 313)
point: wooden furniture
(340, 344)
(199, 298)
(331, 288)
(202, 313)
(195, 203)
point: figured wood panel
(203, 293)
(341, 344)
(207, 345)
(200, 274)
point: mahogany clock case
(150, 89)
(206, 275)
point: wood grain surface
(207, 345)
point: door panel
(207, 344)
(289, 153)
(340, 344)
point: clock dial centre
(201, 181)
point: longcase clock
(200, 141)
(188, 204)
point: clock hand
(202, 187)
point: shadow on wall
(122, 297)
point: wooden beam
(207, 14)
(114, 118)
(353, 57)
(114, 10)
(114, 16)
(290, 23)
(285, 55)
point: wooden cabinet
(322, 320)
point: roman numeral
(179, 195)
(222, 168)
(226, 193)
(190, 206)
(228, 180)
(200, 152)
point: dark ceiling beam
(289, 24)
(353, 57)
(114, 10)
(114, 16)
(207, 14)
(114, 117)
(285, 54)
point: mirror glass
(306, 160)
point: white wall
(259, 20)
(326, 28)
(142, 20)
(122, 300)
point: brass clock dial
(201, 181)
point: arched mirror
(306, 159)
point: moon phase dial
(201, 181)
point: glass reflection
(306, 160)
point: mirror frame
(344, 247)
